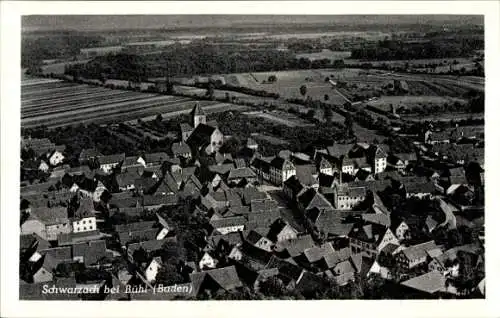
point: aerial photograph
(252, 157)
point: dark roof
(229, 221)
(263, 219)
(139, 235)
(197, 110)
(89, 153)
(241, 173)
(111, 159)
(331, 222)
(222, 168)
(297, 246)
(226, 277)
(136, 226)
(151, 245)
(312, 199)
(59, 253)
(257, 206)
(153, 200)
(201, 135)
(286, 269)
(305, 174)
(419, 250)
(49, 216)
(338, 150)
(294, 184)
(91, 251)
(427, 187)
(155, 157)
(251, 194)
(179, 148)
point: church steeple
(198, 115)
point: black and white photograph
(228, 157)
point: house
(292, 187)
(447, 263)
(211, 281)
(346, 197)
(47, 222)
(416, 255)
(132, 164)
(43, 166)
(44, 268)
(402, 231)
(205, 139)
(311, 199)
(419, 190)
(229, 224)
(152, 269)
(297, 246)
(84, 219)
(207, 261)
(186, 131)
(257, 237)
(198, 116)
(90, 252)
(236, 176)
(400, 161)
(281, 231)
(153, 159)
(108, 163)
(430, 283)
(252, 144)
(88, 155)
(55, 158)
(370, 238)
(434, 137)
(280, 170)
(378, 157)
(181, 149)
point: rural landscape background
(320, 94)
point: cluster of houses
(308, 220)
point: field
(56, 104)
(281, 118)
(270, 139)
(442, 117)
(325, 54)
(383, 103)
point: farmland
(325, 54)
(55, 104)
(384, 103)
(280, 118)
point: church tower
(198, 116)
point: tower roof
(197, 110)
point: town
(160, 193)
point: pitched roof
(50, 216)
(89, 153)
(335, 257)
(418, 251)
(91, 251)
(180, 148)
(338, 150)
(197, 110)
(226, 277)
(227, 222)
(427, 187)
(201, 135)
(376, 218)
(257, 206)
(314, 254)
(305, 174)
(297, 246)
(135, 226)
(111, 159)
(431, 282)
(241, 173)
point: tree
(272, 79)
(272, 286)
(159, 118)
(311, 113)
(303, 90)
(168, 275)
(210, 91)
(328, 113)
(327, 97)
(348, 126)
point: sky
(116, 22)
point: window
(84, 228)
(84, 221)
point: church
(202, 136)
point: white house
(85, 224)
(153, 268)
(56, 158)
(401, 230)
(207, 261)
(280, 170)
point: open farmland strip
(110, 108)
(51, 90)
(105, 99)
(37, 81)
(38, 87)
(91, 103)
(72, 100)
(73, 91)
(112, 112)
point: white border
(10, 131)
